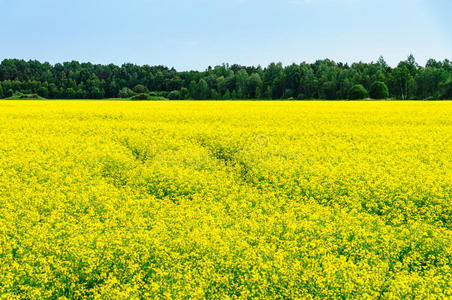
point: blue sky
(193, 34)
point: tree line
(324, 79)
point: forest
(324, 79)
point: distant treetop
(323, 79)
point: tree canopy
(379, 90)
(323, 79)
(358, 91)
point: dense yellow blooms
(225, 200)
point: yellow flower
(229, 200)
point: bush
(144, 96)
(157, 98)
(141, 96)
(379, 90)
(20, 96)
(162, 94)
(358, 92)
(140, 89)
(174, 95)
(184, 94)
(43, 92)
(289, 93)
(300, 96)
(126, 93)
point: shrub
(141, 96)
(125, 93)
(184, 94)
(43, 92)
(140, 89)
(157, 98)
(289, 93)
(174, 95)
(379, 90)
(358, 92)
(20, 96)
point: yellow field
(216, 199)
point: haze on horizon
(194, 34)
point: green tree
(193, 90)
(69, 93)
(289, 93)
(323, 79)
(328, 90)
(81, 94)
(358, 92)
(203, 89)
(125, 92)
(292, 77)
(96, 93)
(184, 93)
(272, 77)
(227, 95)
(379, 90)
(140, 89)
(403, 82)
(254, 86)
(241, 82)
(113, 89)
(446, 88)
(307, 81)
(258, 93)
(7, 85)
(229, 82)
(54, 92)
(268, 93)
(215, 95)
(240, 94)
(174, 95)
(428, 81)
(221, 85)
(1, 91)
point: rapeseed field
(255, 200)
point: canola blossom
(262, 200)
